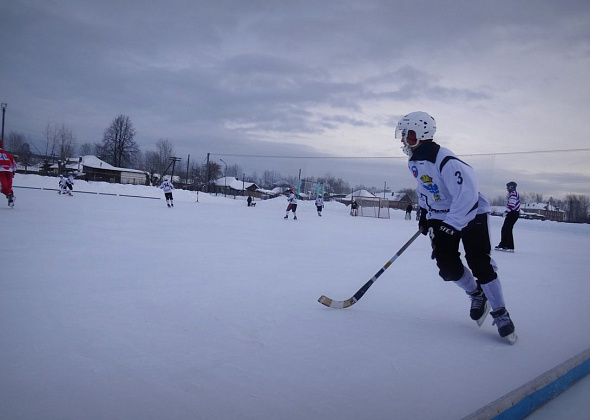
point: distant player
(354, 208)
(70, 184)
(319, 204)
(63, 189)
(409, 212)
(7, 172)
(292, 206)
(511, 215)
(453, 211)
(167, 187)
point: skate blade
(504, 250)
(511, 338)
(485, 314)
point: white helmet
(415, 127)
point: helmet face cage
(511, 186)
(415, 126)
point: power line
(399, 157)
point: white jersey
(292, 198)
(447, 186)
(167, 186)
(319, 202)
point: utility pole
(225, 178)
(4, 105)
(174, 160)
(208, 173)
(187, 163)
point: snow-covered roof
(359, 193)
(234, 183)
(539, 206)
(397, 196)
(92, 161)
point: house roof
(359, 193)
(235, 184)
(398, 196)
(539, 206)
(92, 161)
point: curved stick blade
(336, 304)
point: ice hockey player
(511, 215)
(354, 208)
(292, 206)
(452, 210)
(7, 172)
(167, 187)
(70, 183)
(319, 204)
(409, 212)
(62, 185)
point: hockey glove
(422, 222)
(446, 239)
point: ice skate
(10, 200)
(480, 306)
(294, 217)
(503, 249)
(286, 217)
(505, 326)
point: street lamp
(4, 105)
(225, 178)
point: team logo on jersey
(430, 186)
(415, 171)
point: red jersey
(7, 162)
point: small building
(233, 186)
(91, 168)
(400, 201)
(541, 211)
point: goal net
(373, 207)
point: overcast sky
(312, 78)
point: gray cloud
(301, 78)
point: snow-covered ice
(119, 307)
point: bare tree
(577, 208)
(164, 151)
(269, 178)
(215, 171)
(118, 145)
(17, 144)
(412, 193)
(62, 141)
(234, 170)
(87, 149)
(14, 141)
(151, 164)
(50, 138)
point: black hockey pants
(476, 243)
(507, 240)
